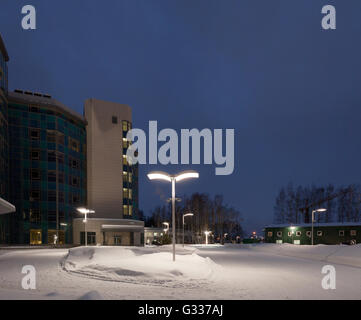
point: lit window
(125, 210)
(298, 233)
(269, 234)
(308, 234)
(279, 233)
(74, 145)
(353, 232)
(289, 233)
(319, 233)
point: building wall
(47, 168)
(112, 183)
(4, 139)
(329, 235)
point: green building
(324, 233)
(4, 147)
(47, 153)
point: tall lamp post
(85, 212)
(207, 233)
(313, 220)
(159, 175)
(190, 214)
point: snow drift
(141, 265)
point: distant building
(324, 233)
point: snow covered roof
(6, 207)
(45, 100)
(330, 224)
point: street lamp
(292, 232)
(207, 233)
(186, 215)
(159, 175)
(313, 219)
(85, 212)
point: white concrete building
(112, 184)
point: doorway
(35, 237)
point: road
(243, 274)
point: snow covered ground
(262, 271)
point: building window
(51, 136)
(308, 234)
(341, 233)
(35, 155)
(298, 233)
(34, 195)
(34, 134)
(279, 233)
(75, 199)
(74, 181)
(269, 234)
(35, 174)
(51, 176)
(319, 233)
(91, 238)
(289, 233)
(34, 216)
(127, 210)
(74, 145)
(73, 163)
(51, 156)
(61, 177)
(51, 195)
(125, 125)
(114, 119)
(353, 233)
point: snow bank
(141, 265)
(340, 254)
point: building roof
(3, 49)
(43, 100)
(6, 207)
(330, 224)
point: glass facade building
(4, 139)
(130, 179)
(47, 152)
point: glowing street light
(85, 212)
(207, 233)
(159, 175)
(313, 220)
(186, 215)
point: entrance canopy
(6, 207)
(122, 228)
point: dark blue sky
(265, 68)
